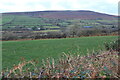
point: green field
(47, 31)
(22, 20)
(41, 49)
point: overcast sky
(104, 6)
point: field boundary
(57, 38)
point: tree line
(65, 32)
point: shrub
(114, 45)
(9, 36)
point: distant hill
(80, 14)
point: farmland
(57, 24)
(57, 18)
(41, 49)
(76, 43)
(56, 32)
(29, 22)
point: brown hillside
(81, 14)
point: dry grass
(96, 65)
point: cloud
(106, 6)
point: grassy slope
(7, 18)
(40, 49)
(22, 20)
(28, 21)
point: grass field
(41, 49)
(22, 20)
(47, 31)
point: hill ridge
(67, 14)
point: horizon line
(59, 10)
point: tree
(72, 30)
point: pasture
(12, 51)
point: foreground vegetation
(102, 64)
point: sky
(103, 6)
